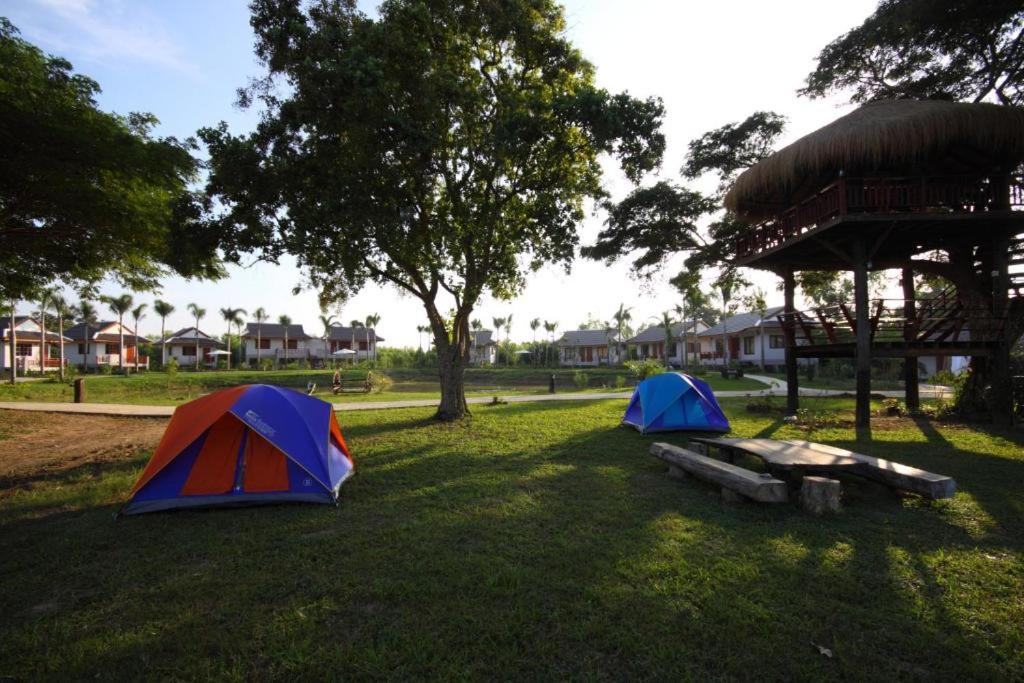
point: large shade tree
(85, 193)
(445, 148)
(968, 50)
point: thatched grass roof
(888, 136)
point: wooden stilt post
(910, 379)
(792, 381)
(1002, 384)
(863, 355)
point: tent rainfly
(245, 445)
(673, 401)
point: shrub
(764, 405)
(106, 369)
(943, 377)
(580, 379)
(379, 382)
(642, 369)
(222, 365)
(893, 407)
(266, 364)
(172, 366)
(620, 382)
(303, 364)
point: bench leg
(677, 472)
(699, 448)
(731, 497)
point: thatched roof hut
(890, 138)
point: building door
(734, 348)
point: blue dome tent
(674, 401)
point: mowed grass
(157, 388)
(534, 541)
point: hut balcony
(866, 202)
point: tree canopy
(656, 222)
(439, 147)
(965, 50)
(85, 193)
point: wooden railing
(938, 320)
(877, 195)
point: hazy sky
(711, 62)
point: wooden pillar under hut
(863, 334)
(910, 378)
(789, 310)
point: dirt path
(34, 444)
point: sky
(711, 62)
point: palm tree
(285, 321)
(425, 328)
(63, 310)
(45, 299)
(756, 301)
(688, 284)
(138, 313)
(621, 318)
(666, 322)
(727, 283)
(372, 321)
(86, 314)
(498, 323)
(355, 324)
(232, 316)
(197, 313)
(534, 324)
(508, 339)
(163, 309)
(260, 316)
(120, 305)
(239, 321)
(550, 328)
(328, 322)
(476, 326)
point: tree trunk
(14, 346)
(452, 369)
(136, 346)
(163, 344)
(60, 331)
(120, 348)
(42, 342)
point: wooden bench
(763, 488)
(795, 459)
(361, 386)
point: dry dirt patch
(33, 444)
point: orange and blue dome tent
(245, 445)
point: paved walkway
(776, 387)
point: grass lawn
(532, 541)
(157, 388)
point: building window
(691, 347)
(362, 346)
(718, 346)
(188, 351)
(748, 346)
(264, 343)
(776, 341)
(81, 349)
(293, 343)
(23, 350)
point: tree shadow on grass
(453, 555)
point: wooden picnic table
(794, 459)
